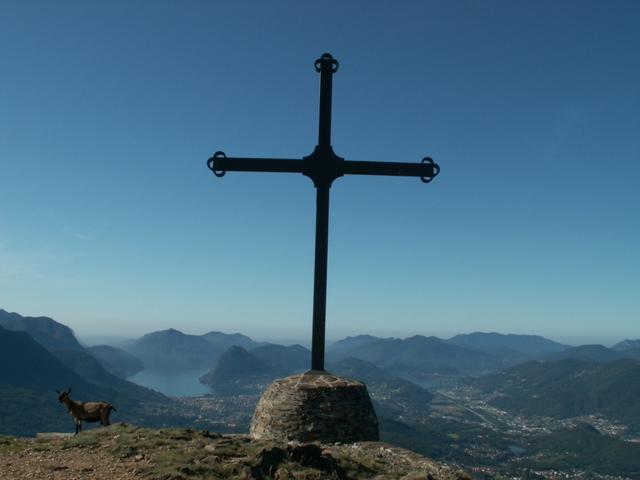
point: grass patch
(12, 444)
(82, 440)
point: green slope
(570, 388)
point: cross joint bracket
(323, 166)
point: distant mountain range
(422, 358)
(414, 356)
(513, 349)
(627, 345)
(344, 348)
(594, 353)
(172, 349)
(417, 358)
(509, 346)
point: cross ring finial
(326, 57)
(436, 169)
(211, 164)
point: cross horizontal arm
(221, 164)
(425, 169)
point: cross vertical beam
(320, 279)
(322, 166)
(326, 66)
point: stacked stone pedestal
(315, 407)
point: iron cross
(323, 166)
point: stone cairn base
(315, 407)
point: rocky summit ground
(122, 452)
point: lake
(176, 383)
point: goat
(86, 411)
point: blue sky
(111, 223)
